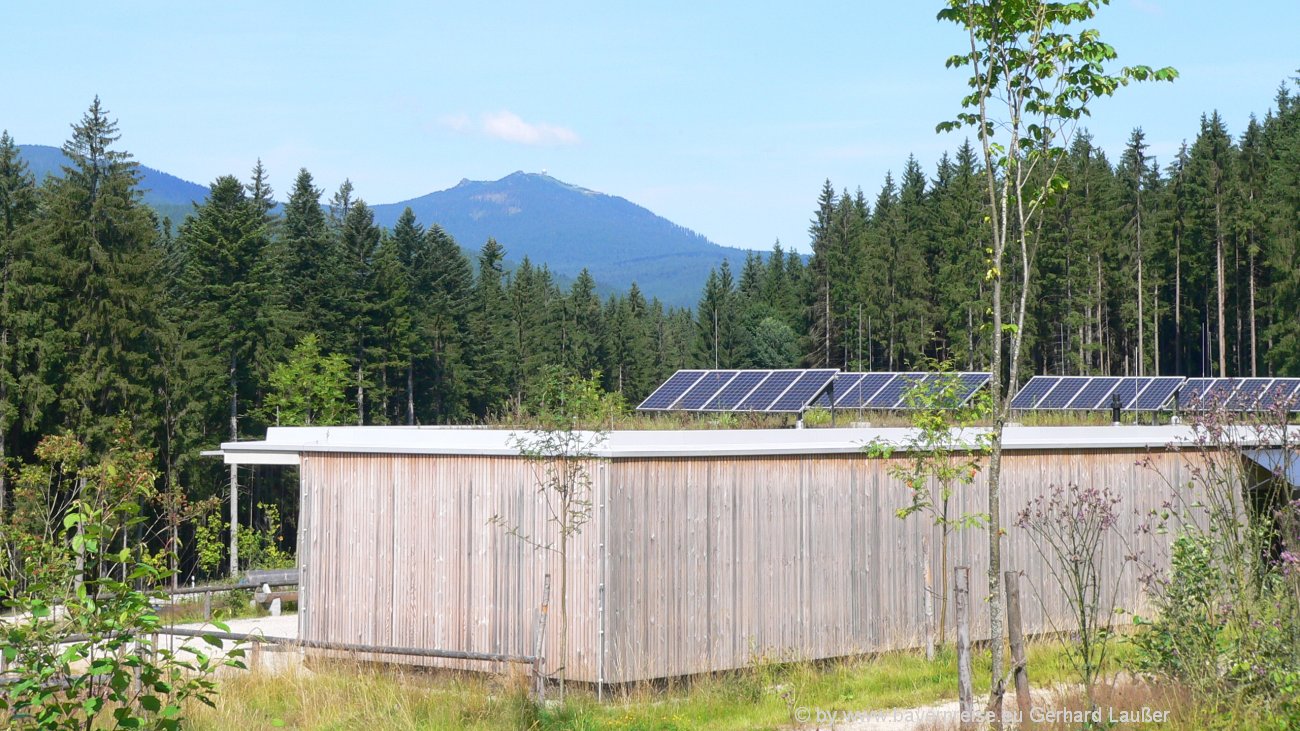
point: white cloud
(508, 126)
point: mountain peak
(569, 228)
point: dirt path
(933, 717)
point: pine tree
(1210, 175)
(96, 252)
(490, 322)
(1134, 176)
(17, 208)
(448, 278)
(307, 259)
(356, 298)
(582, 332)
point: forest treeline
(1189, 266)
(187, 334)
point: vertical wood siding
(709, 563)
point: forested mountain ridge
(567, 227)
(169, 195)
(570, 228)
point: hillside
(569, 228)
(169, 195)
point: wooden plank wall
(716, 562)
(710, 562)
(400, 551)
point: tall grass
(762, 696)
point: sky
(724, 117)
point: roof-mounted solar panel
(666, 395)
(863, 390)
(736, 390)
(1063, 393)
(704, 390)
(1095, 395)
(1034, 391)
(797, 397)
(840, 385)
(1157, 395)
(893, 393)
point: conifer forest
(268, 307)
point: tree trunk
(410, 393)
(1254, 358)
(1141, 349)
(928, 591)
(1155, 330)
(361, 396)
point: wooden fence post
(539, 639)
(961, 600)
(207, 606)
(1015, 633)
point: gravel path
(269, 657)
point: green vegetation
(762, 696)
(78, 626)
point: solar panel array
(889, 391)
(792, 391)
(768, 391)
(1240, 394)
(1092, 393)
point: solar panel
(1192, 394)
(704, 390)
(892, 394)
(1127, 390)
(736, 391)
(1284, 391)
(841, 385)
(1064, 392)
(1239, 394)
(970, 383)
(1156, 396)
(768, 391)
(863, 390)
(1246, 397)
(1033, 392)
(796, 398)
(666, 395)
(1096, 395)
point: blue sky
(724, 117)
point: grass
(340, 696)
(226, 605)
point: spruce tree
(96, 253)
(17, 208)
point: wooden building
(704, 550)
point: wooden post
(1016, 635)
(961, 600)
(539, 639)
(207, 606)
(255, 656)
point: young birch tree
(1032, 78)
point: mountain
(568, 228)
(168, 194)
(536, 216)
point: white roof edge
(286, 443)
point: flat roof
(284, 445)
